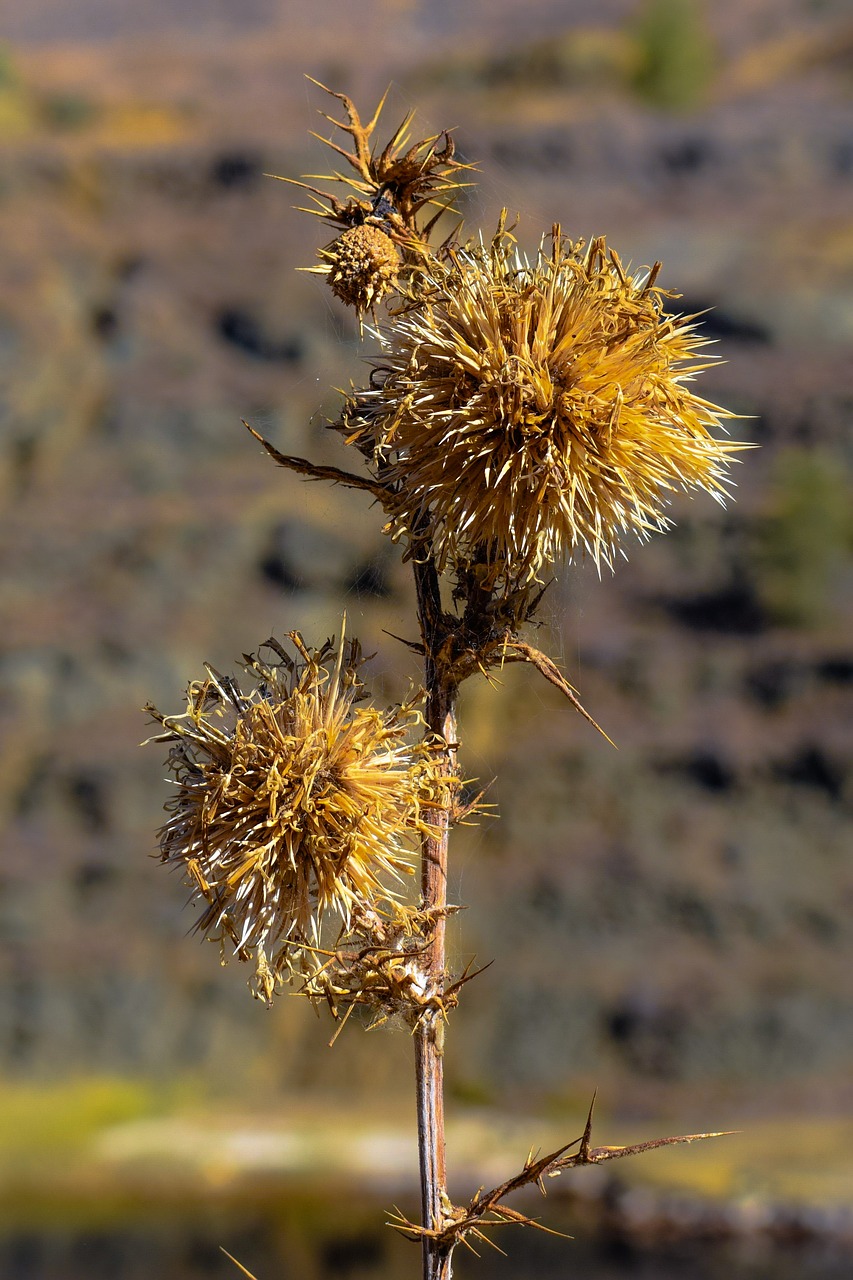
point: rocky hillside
(671, 921)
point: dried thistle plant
(521, 414)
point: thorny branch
(519, 651)
(441, 689)
(464, 649)
(314, 471)
(387, 974)
(486, 1209)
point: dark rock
(705, 768)
(275, 570)
(841, 160)
(686, 155)
(810, 766)
(238, 327)
(129, 266)
(541, 153)
(692, 914)
(817, 924)
(352, 1253)
(718, 323)
(236, 170)
(772, 684)
(104, 323)
(733, 609)
(371, 579)
(836, 670)
(301, 556)
(89, 877)
(648, 1036)
(546, 899)
(87, 793)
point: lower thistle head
(295, 803)
(528, 412)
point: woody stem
(429, 1036)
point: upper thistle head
(524, 412)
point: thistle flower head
(293, 802)
(388, 202)
(525, 412)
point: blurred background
(671, 922)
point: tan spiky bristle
(399, 191)
(293, 802)
(528, 412)
(405, 176)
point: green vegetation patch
(805, 536)
(677, 54)
(37, 1120)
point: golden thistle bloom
(292, 802)
(523, 412)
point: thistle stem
(429, 1036)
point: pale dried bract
(379, 965)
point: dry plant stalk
(521, 413)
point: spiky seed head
(525, 412)
(293, 802)
(362, 266)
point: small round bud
(363, 265)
